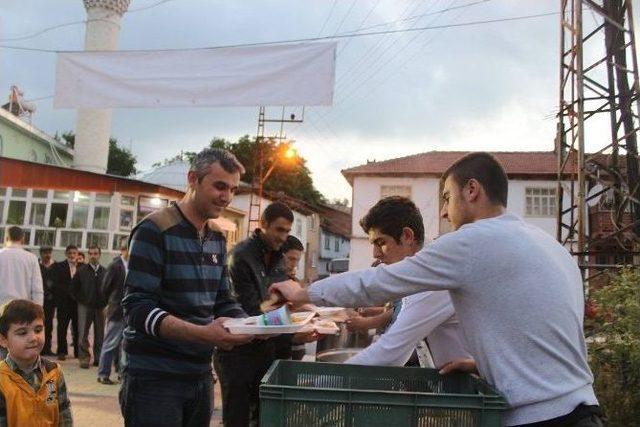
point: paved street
(96, 405)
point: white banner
(297, 74)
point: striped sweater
(173, 271)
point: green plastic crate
(303, 394)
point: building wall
(326, 255)
(425, 192)
(19, 140)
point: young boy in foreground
(32, 389)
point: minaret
(93, 127)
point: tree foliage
(614, 336)
(290, 176)
(121, 161)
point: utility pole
(259, 174)
(598, 194)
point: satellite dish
(591, 202)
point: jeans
(110, 346)
(86, 317)
(155, 402)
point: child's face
(24, 341)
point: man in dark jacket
(49, 305)
(113, 290)
(254, 264)
(86, 290)
(63, 273)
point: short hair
(205, 158)
(485, 169)
(45, 248)
(15, 233)
(70, 247)
(95, 247)
(274, 211)
(19, 311)
(292, 243)
(391, 214)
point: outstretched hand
(290, 291)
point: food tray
(249, 325)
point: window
(126, 219)
(62, 195)
(298, 228)
(16, 212)
(70, 238)
(40, 194)
(103, 198)
(147, 205)
(119, 240)
(327, 242)
(128, 201)
(26, 240)
(337, 246)
(45, 238)
(18, 193)
(3, 191)
(79, 196)
(101, 218)
(37, 213)
(79, 216)
(1, 234)
(540, 202)
(58, 217)
(395, 190)
(1, 210)
(100, 240)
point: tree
(289, 176)
(121, 161)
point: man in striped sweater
(176, 299)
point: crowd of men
(496, 297)
(79, 295)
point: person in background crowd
(176, 300)
(20, 276)
(113, 290)
(518, 295)
(292, 251)
(49, 305)
(32, 389)
(86, 290)
(67, 309)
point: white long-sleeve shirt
(427, 314)
(20, 276)
(518, 295)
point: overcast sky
(488, 87)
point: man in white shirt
(19, 270)
(517, 292)
(395, 229)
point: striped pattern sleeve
(144, 278)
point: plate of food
(280, 321)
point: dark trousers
(154, 402)
(240, 371)
(67, 313)
(582, 416)
(88, 316)
(49, 307)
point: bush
(614, 347)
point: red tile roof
(534, 164)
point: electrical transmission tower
(596, 143)
(259, 173)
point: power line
(313, 39)
(72, 23)
(333, 6)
